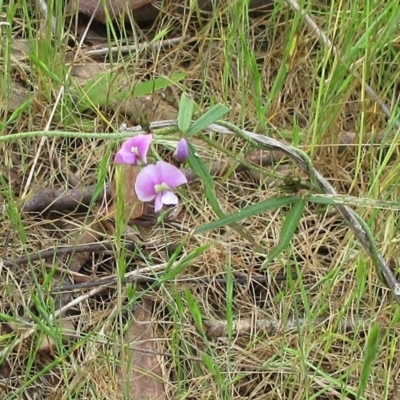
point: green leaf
(212, 115)
(195, 311)
(185, 113)
(247, 212)
(101, 89)
(16, 113)
(144, 88)
(44, 68)
(187, 261)
(288, 229)
(202, 172)
(371, 354)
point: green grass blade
(16, 113)
(230, 298)
(195, 311)
(187, 261)
(212, 115)
(185, 113)
(371, 354)
(288, 229)
(44, 68)
(247, 212)
(201, 171)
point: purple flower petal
(134, 150)
(146, 182)
(124, 157)
(169, 198)
(158, 203)
(156, 182)
(119, 159)
(181, 152)
(170, 175)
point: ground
(255, 286)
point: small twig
(215, 329)
(60, 200)
(97, 247)
(105, 247)
(52, 253)
(132, 346)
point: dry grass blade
(216, 329)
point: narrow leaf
(371, 354)
(247, 212)
(288, 229)
(212, 115)
(202, 172)
(44, 68)
(101, 90)
(187, 261)
(16, 113)
(144, 88)
(185, 113)
(195, 311)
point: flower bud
(181, 152)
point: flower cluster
(155, 181)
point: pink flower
(181, 152)
(134, 150)
(157, 182)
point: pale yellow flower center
(161, 188)
(135, 150)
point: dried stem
(216, 329)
